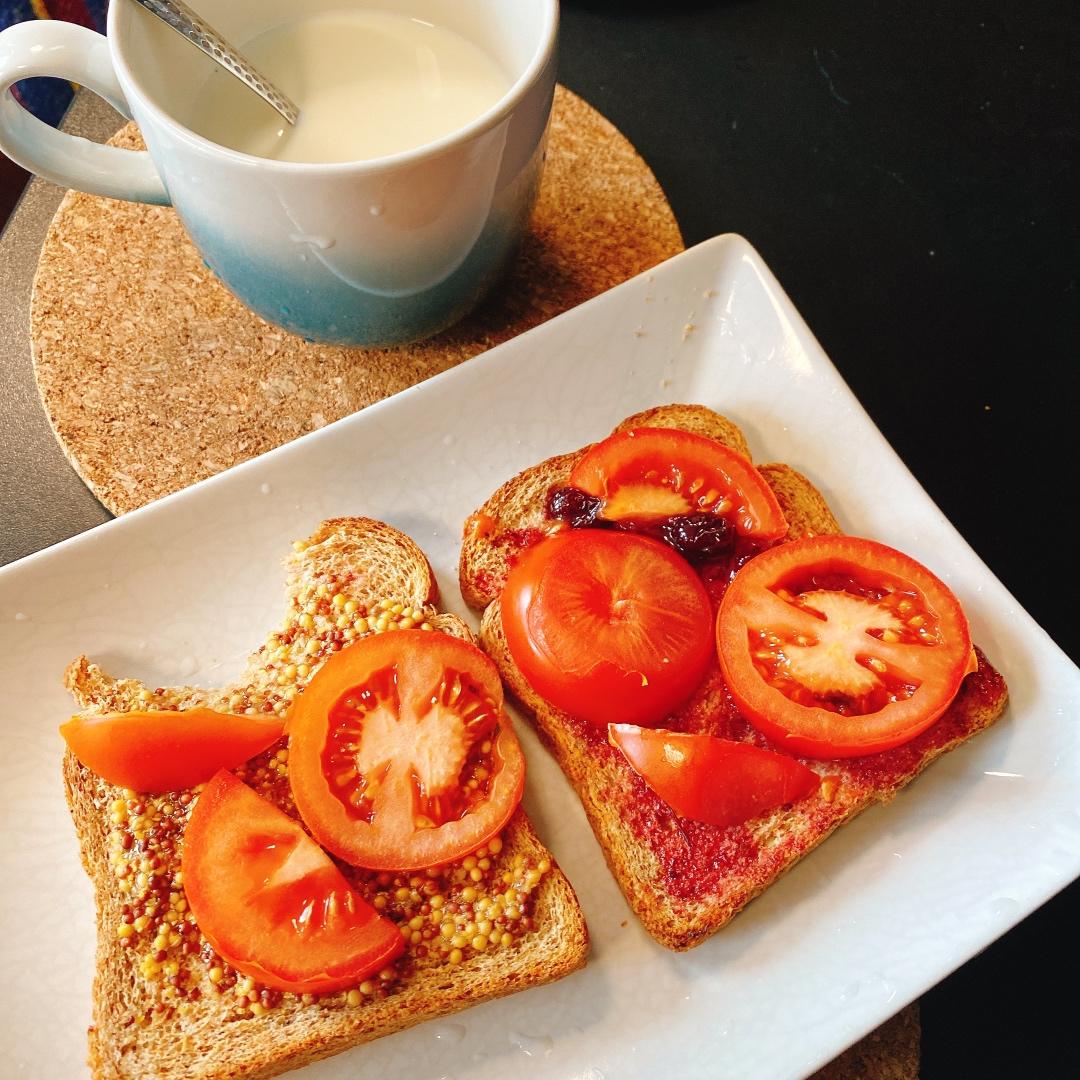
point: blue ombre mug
(380, 251)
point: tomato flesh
(651, 473)
(400, 754)
(717, 781)
(608, 626)
(271, 903)
(167, 751)
(835, 646)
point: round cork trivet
(154, 376)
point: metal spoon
(184, 21)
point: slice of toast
(685, 879)
(163, 1004)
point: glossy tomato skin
(716, 781)
(836, 646)
(383, 743)
(167, 750)
(271, 903)
(664, 472)
(608, 626)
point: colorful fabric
(48, 98)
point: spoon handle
(191, 25)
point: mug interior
(167, 71)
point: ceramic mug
(382, 251)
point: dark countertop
(910, 170)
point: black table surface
(910, 170)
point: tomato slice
(651, 473)
(835, 646)
(717, 781)
(271, 903)
(608, 626)
(167, 751)
(400, 754)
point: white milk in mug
(368, 83)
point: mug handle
(72, 52)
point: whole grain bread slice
(685, 880)
(207, 1025)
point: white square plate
(179, 591)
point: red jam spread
(696, 858)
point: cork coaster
(889, 1053)
(154, 376)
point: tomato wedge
(652, 473)
(835, 646)
(271, 902)
(717, 781)
(400, 754)
(608, 626)
(167, 751)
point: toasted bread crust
(209, 1041)
(605, 783)
(696, 419)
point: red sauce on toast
(695, 858)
